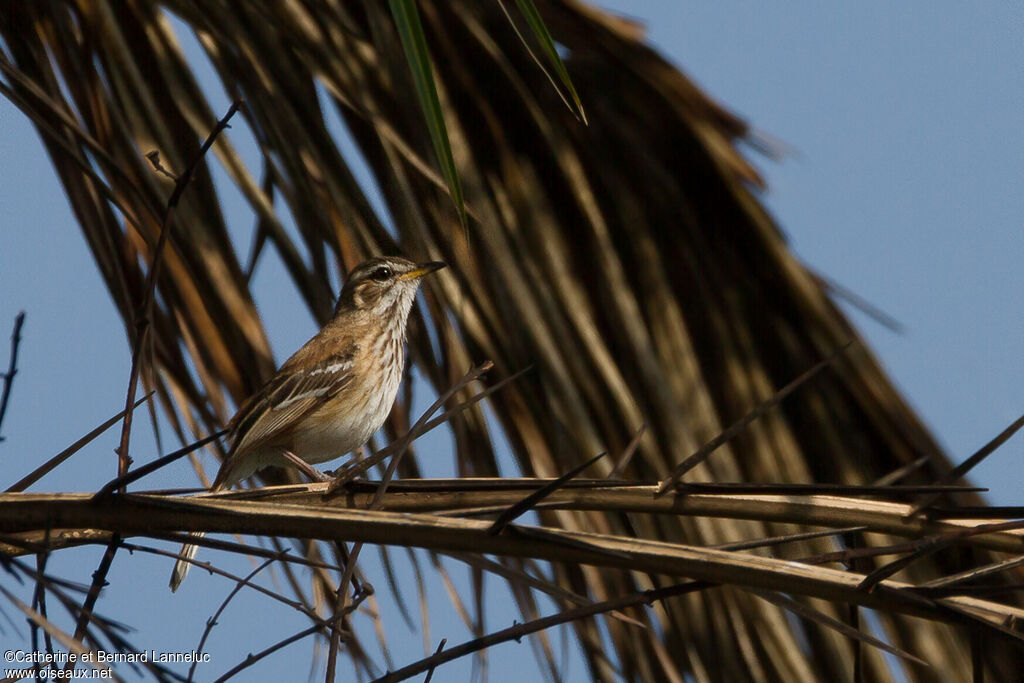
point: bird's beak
(423, 269)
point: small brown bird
(332, 395)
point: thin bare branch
(143, 314)
(967, 465)
(99, 582)
(39, 604)
(923, 549)
(48, 466)
(857, 301)
(928, 546)
(519, 576)
(12, 367)
(318, 626)
(806, 612)
(517, 631)
(901, 472)
(123, 480)
(212, 621)
(154, 160)
(430, 671)
(399, 450)
(526, 504)
(72, 643)
(142, 324)
(707, 449)
(346, 474)
(733, 488)
(789, 538)
(208, 566)
(976, 573)
(628, 453)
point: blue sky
(905, 184)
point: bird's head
(384, 286)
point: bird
(335, 392)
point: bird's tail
(188, 551)
(223, 482)
(184, 563)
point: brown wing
(283, 402)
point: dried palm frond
(628, 260)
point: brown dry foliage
(628, 260)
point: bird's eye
(381, 274)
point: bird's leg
(358, 455)
(310, 471)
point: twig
(232, 547)
(399, 449)
(150, 467)
(142, 325)
(39, 604)
(916, 549)
(430, 671)
(977, 591)
(99, 581)
(403, 443)
(902, 472)
(273, 595)
(924, 548)
(975, 512)
(628, 453)
(526, 504)
(851, 490)
(520, 576)
(802, 610)
(154, 159)
(968, 464)
(142, 317)
(72, 643)
(253, 658)
(976, 573)
(107, 627)
(345, 475)
(859, 302)
(850, 554)
(788, 538)
(12, 368)
(927, 546)
(707, 449)
(212, 621)
(517, 631)
(44, 469)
